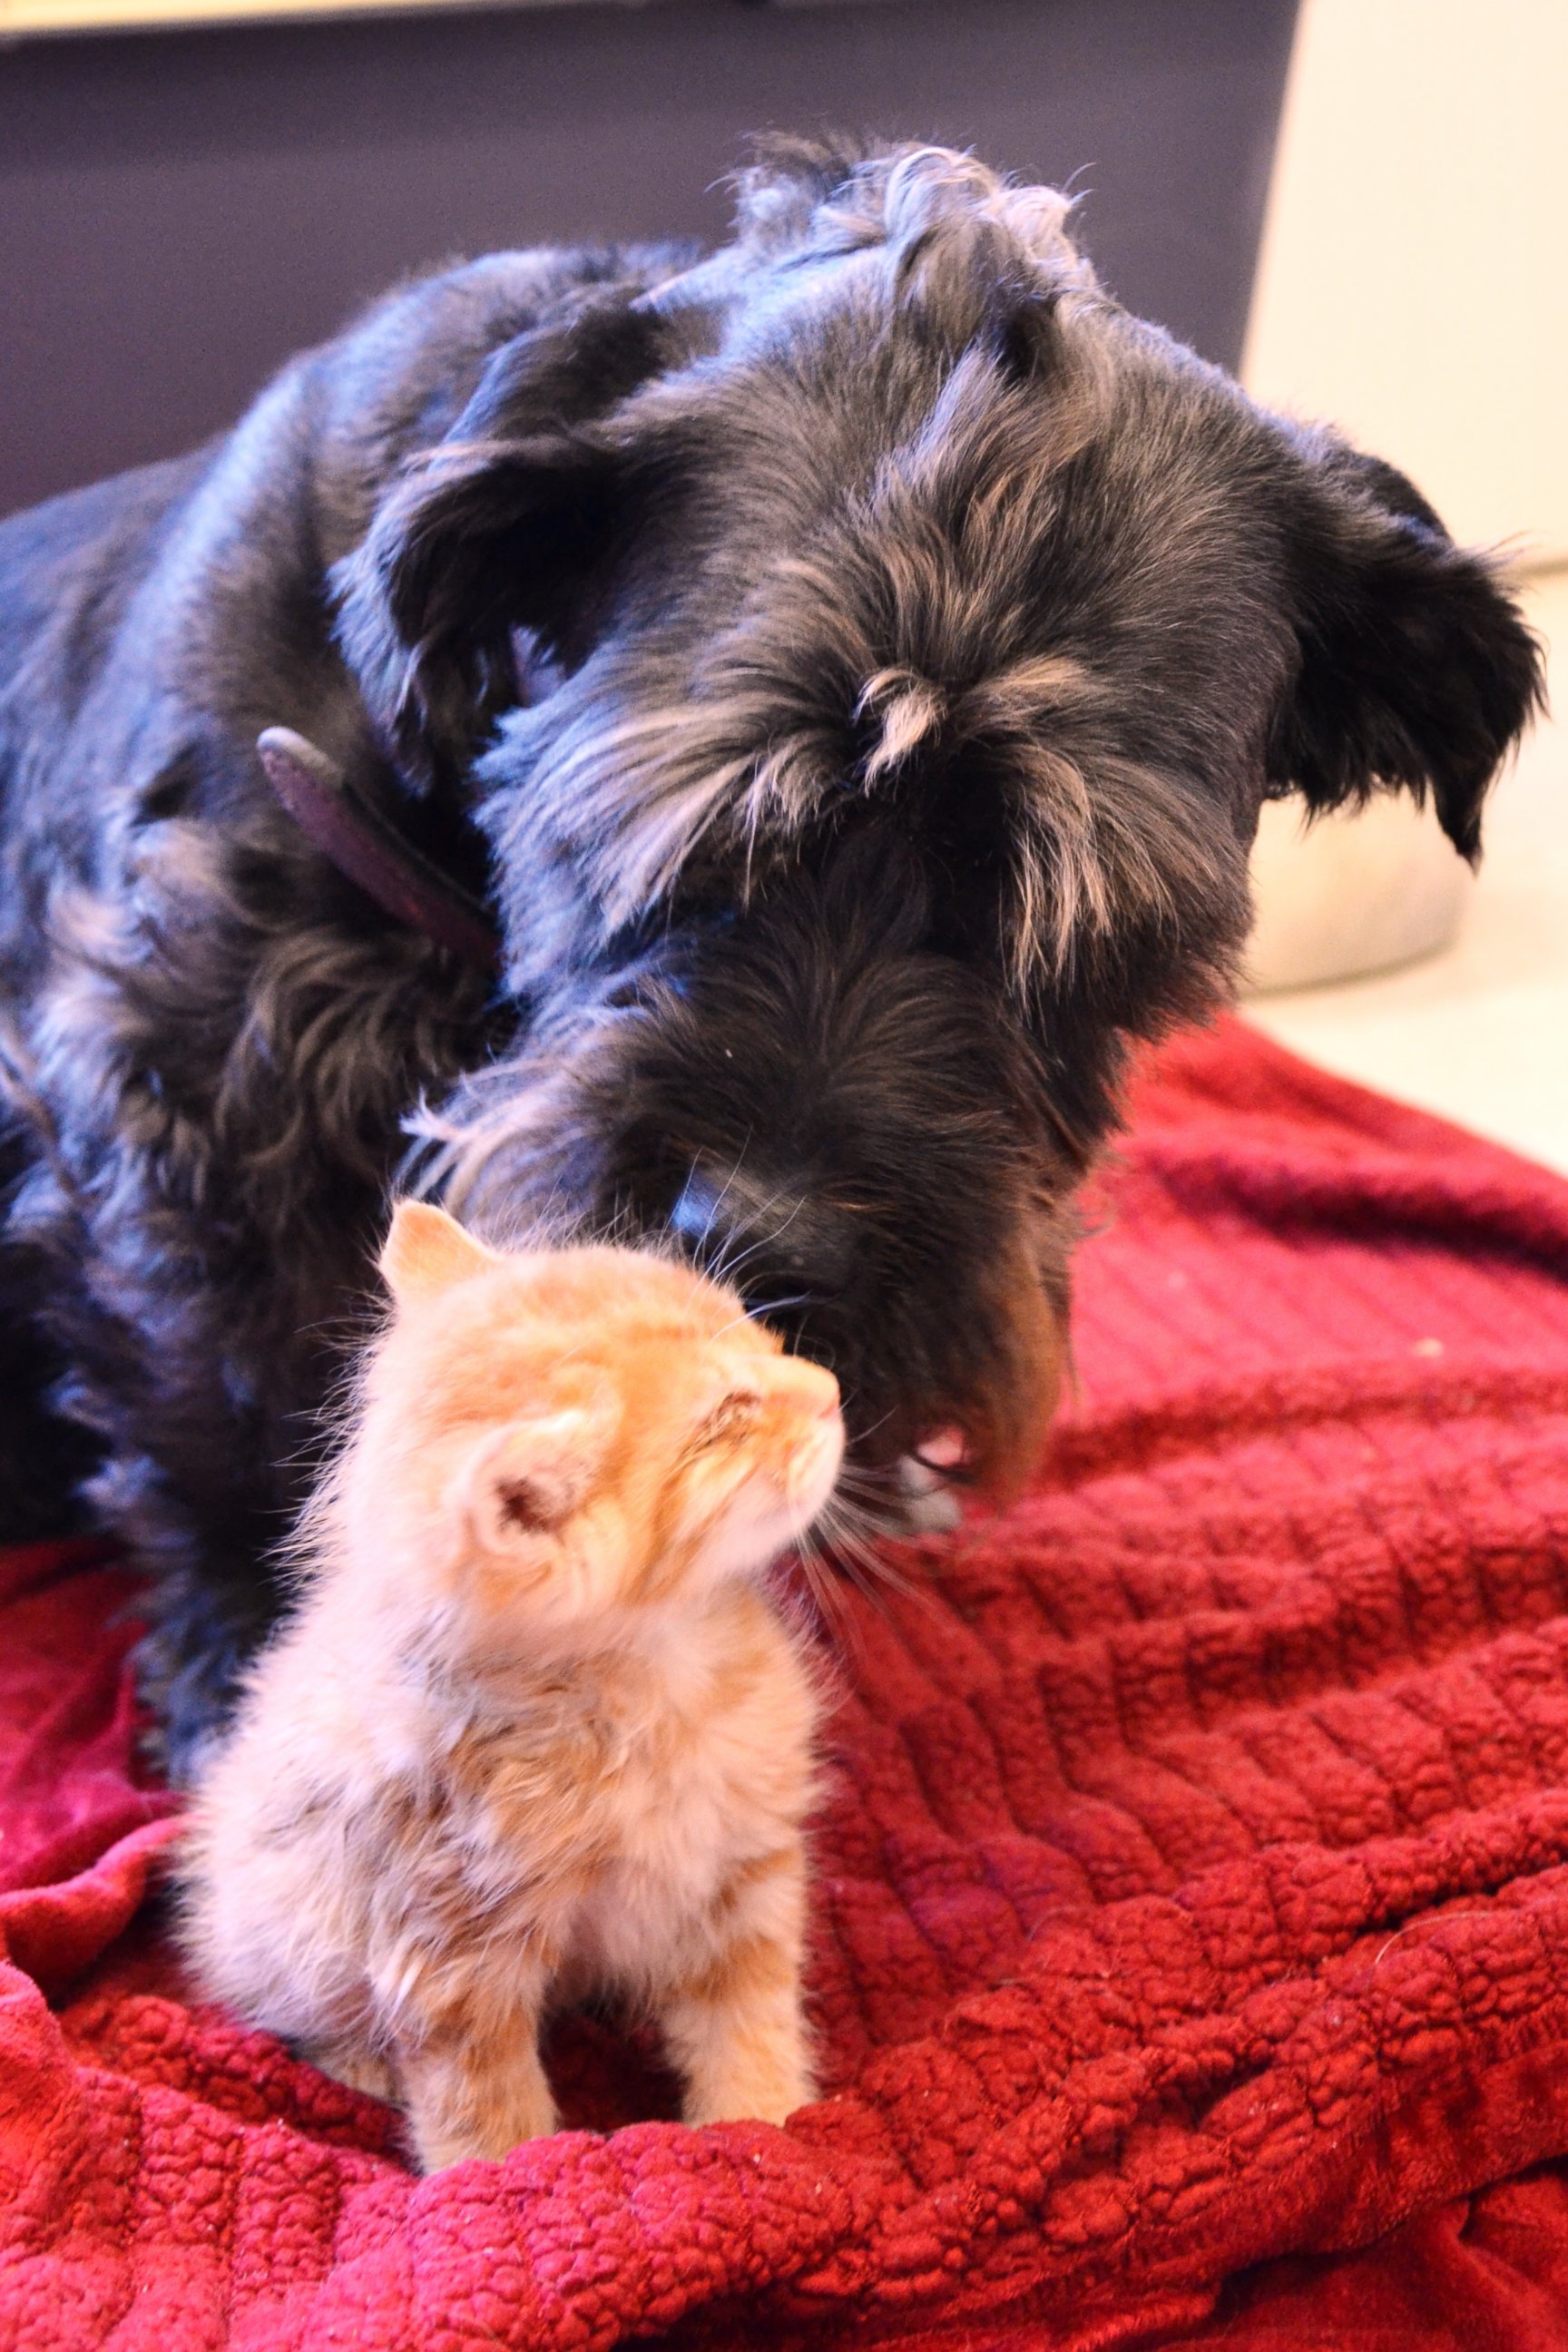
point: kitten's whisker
(873, 1426)
(777, 1306)
(830, 1596)
(750, 1314)
(860, 1561)
(859, 1536)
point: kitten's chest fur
(613, 1803)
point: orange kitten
(535, 1728)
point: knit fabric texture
(1192, 1893)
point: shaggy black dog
(851, 664)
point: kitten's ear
(525, 1481)
(426, 1251)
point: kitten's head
(563, 1432)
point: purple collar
(336, 819)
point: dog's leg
(215, 1595)
(207, 1626)
(44, 1460)
(213, 1093)
(203, 1403)
(203, 1481)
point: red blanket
(1194, 1891)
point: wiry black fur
(855, 662)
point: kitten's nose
(815, 1391)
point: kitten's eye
(729, 1420)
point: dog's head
(871, 648)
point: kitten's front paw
(758, 2098)
(485, 2103)
(434, 2150)
(360, 2070)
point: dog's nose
(780, 1245)
(695, 1218)
(796, 1252)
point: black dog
(851, 664)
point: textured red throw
(1193, 1895)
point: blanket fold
(1192, 1893)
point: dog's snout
(696, 1217)
(783, 1248)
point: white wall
(1412, 285)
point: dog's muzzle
(787, 1254)
(783, 1250)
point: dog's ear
(1415, 668)
(503, 526)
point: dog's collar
(337, 819)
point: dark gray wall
(181, 210)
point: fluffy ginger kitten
(535, 1728)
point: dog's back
(187, 600)
(68, 570)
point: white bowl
(1355, 892)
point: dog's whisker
(728, 1269)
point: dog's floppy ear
(1415, 670)
(501, 527)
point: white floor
(1481, 1033)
